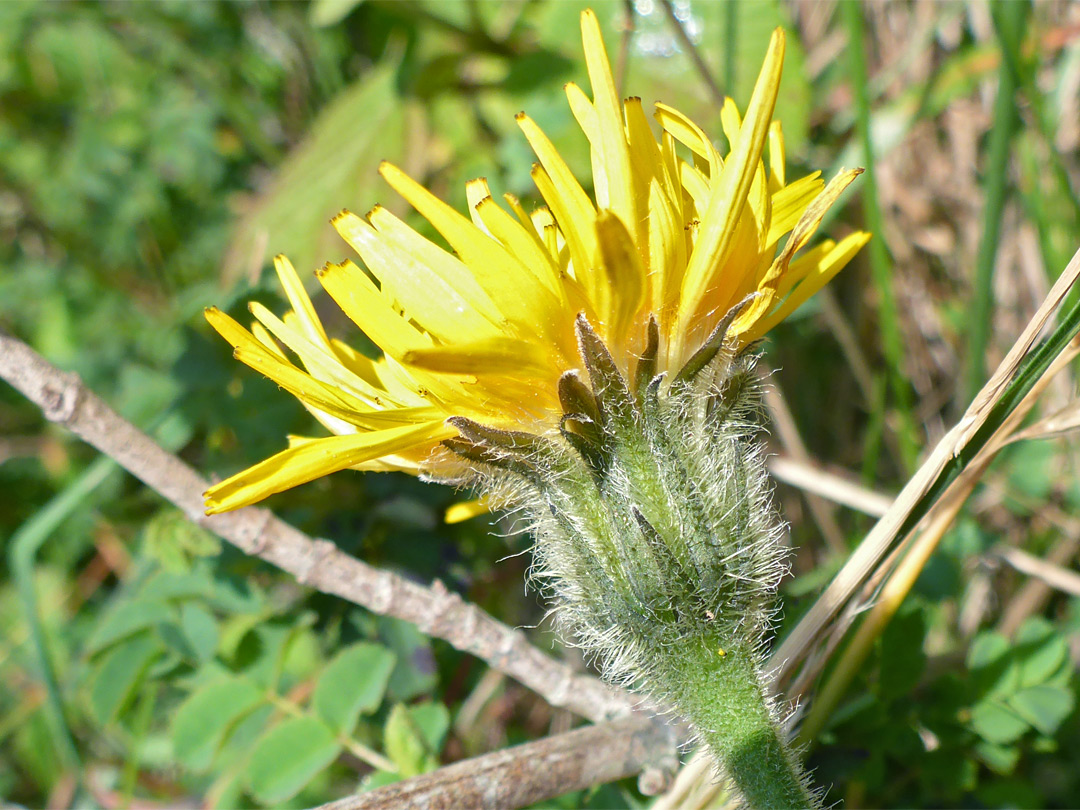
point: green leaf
(415, 672)
(301, 658)
(994, 671)
(999, 758)
(404, 744)
(413, 737)
(323, 13)
(995, 723)
(334, 167)
(1044, 661)
(174, 541)
(125, 620)
(966, 540)
(166, 664)
(167, 585)
(986, 648)
(378, 779)
(266, 652)
(241, 736)
(1062, 676)
(175, 641)
(1033, 630)
(200, 630)
(1031, 469)
(121, 671)
(352, 684)
(289, 756)
(1043, 706)
(32, 746)
(902, 656)
(203, 720)
(234, 631)
(433, 721)
(236, 596)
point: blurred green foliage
(152, 158)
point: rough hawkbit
(656, 539)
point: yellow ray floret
(674, 231)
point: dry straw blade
(1010, 383)
(911, 557)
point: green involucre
(657, 542)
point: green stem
(723, 697)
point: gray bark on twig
(318, 564)
(525, 774)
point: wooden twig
(318, 564)
(526, 774)
(811, 479)
(691, 50)
(1054, 576)
(1033, 596)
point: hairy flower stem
(657, 541)
(723, 698)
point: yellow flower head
(674, 232)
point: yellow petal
(514, 290)
(415, 283)
(523, 216)
(358, 297)
(800, 236)
(729, 198)
(320, 361)
(266, 339)
(696, 185)
(362, 411)
(777, 158)
(310, 460)
(807, 225)
(475, 191)
(571, 206)
(466, 510)
(585, 114)
(789, 203)
(667, 254)
(625, 286)
(665, 247)
(497, 356)
(730, 122)
(803, 266)
(644, 151)
(828, 266)
(446, 266)
(544, 223)
(522, 241)
(609, 118)
(690, 135)
(299, 301)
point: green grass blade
(23, 548)
(1009, 21)
(22, 555)
(878, 252)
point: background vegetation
(154, 156)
